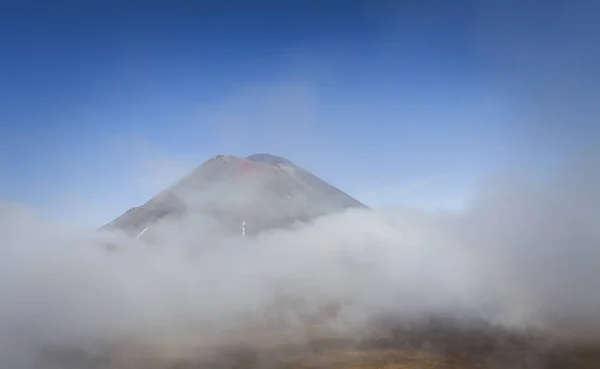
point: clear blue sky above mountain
(104, 104)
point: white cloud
(511, 258)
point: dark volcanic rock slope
(262, 190)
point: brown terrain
(456, 352)
(425, 345)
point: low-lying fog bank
(523, 258)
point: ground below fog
(406, 348)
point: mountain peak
(263, 190)
(269, 159)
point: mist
(523, 256)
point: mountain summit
(250, 195)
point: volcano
(243, 195)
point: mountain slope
(261, 191)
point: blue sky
(414, 102)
